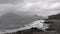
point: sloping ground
(33, 31)
(46, 32)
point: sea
(13, 28)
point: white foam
(39, 24)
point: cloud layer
(39, 7)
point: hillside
(55, 16)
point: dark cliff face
(55, 16)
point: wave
(39, 24)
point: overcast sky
(31, 7)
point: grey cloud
(39, 7)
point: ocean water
(38, 23)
